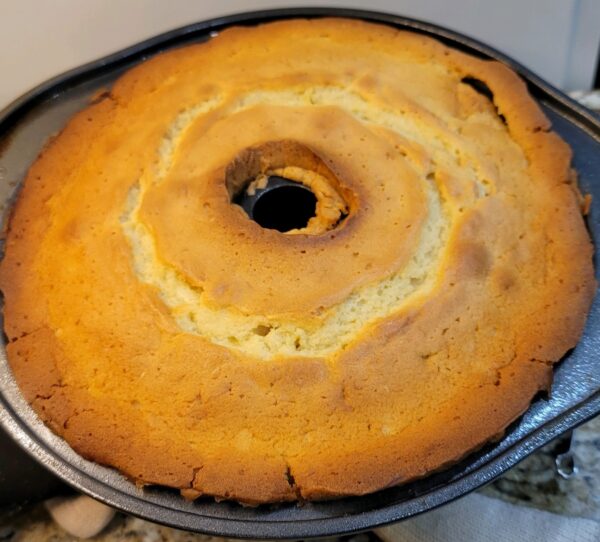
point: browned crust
(168, 408)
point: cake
(160, 330)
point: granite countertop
(562, 477)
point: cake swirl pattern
(338, 326)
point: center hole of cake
(284, 186)
(282, 204)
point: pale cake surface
(159, 330)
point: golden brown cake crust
(131, 281)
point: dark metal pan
(27, 123)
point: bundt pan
(27, 123)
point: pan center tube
(285, 186)
(282, 204)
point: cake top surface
(160, 330)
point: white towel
(477, 518)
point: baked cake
(161, 331)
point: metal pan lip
(19, 422)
